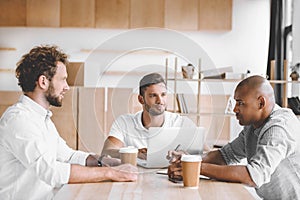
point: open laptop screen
(161, 140)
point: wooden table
(153, 186)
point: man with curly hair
(34, 159)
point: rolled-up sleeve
(118, 127)
(272, 148)
(235, 151)
(67, 154)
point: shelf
(282, 81)
(228, 80)
(7, 70)
(7, 49)
(205, 80)
(206, 114)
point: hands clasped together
(175, 167)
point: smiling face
(154, 99)
(58, 86)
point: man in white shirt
(34, 159)
(132, 129)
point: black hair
(150, 79)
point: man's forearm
(213, 157)
(92, 160)
(81, 174)
(114, 153)
(234, 173)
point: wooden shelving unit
(209, 108)
(176, 78)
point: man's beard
(53, 100)
(153, 111)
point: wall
(244, 47)
(296, 32)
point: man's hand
(175, 168)
(125, 172)
(175, 171)
(174, 156)
(142, 154)
(107, 161)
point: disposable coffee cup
(191, 170)
(128, 155)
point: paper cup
(128, 155)
(191, 170)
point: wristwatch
(100, 160)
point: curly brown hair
(41, 60)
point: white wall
(244, 47)
(296, 32)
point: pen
(171, 157)
(177, 147)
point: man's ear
(261, 102)
(141, 99)
(43, 82)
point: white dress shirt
(34, 159)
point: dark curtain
(276, 47)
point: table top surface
(151, 185)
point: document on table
(165, 172)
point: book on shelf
(226, 75)
(181, 102)
(222, 73)
(217, 72)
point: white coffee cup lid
(129, 149)
(191, 158)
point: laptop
(161, 140)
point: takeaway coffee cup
(128, 155)
(191, 170)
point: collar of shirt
(276, 107)
(257, 130)
(46, 114)
(138, 121)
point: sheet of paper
(165, 172)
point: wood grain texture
(91, 119)
(112, 13)
(147, 13)
(44, 13)
(118, 103)
(153, 186)
(12, 12)
(215, 15)
(75, 73)
(77, 13)
(181, 14)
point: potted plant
(295, 72)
